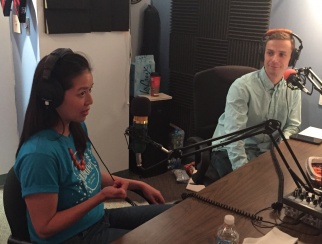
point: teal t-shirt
(44, 165)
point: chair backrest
(15, 208)
(210, 88)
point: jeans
(116, 223)
(219, 166)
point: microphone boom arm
(268, 127)
(312, 77)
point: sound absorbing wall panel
(208, 33)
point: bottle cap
(229, 220)
(154, 74)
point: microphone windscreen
(289, 72)
(140, 106)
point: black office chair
(210, 88)
(15, 209)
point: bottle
(154, 84)
(227, 233)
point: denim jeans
(219, 166)
(116, 223)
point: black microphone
(294, 81)
(140, 109)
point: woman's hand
(152, 194)
(117, 191)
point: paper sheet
(191, 186)
(312, 132)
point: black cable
(263, 224)
(126, 199)
(221, 205)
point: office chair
(210, 88)
(15, 209)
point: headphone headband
(295, 52)
(52, 59)
(49, 89)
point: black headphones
(49, 89)
(295, 52)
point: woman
(62, 185)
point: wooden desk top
(251, 188)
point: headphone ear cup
(294, 57)
(51, 93)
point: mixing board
(305, 206)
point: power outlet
(320, 100)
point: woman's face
(77, 100)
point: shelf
(162, 96)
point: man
(255, 98)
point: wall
(8, 129)
(305, 19)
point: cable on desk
(284, 224)
(221, 205)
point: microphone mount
(131, 132)
(307, 73)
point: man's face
(276, 59)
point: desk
(250, 188)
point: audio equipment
(304, 205)
(295, 81)
(49, 89)
(295, 52)
(138, 133)
(140, 109)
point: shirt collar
(267, 83)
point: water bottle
(227, 233)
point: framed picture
(6, 7)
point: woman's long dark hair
(38, 116)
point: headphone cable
(127, 198)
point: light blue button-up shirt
(251, 100)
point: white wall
(304, 19)
(8, 126)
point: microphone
(140, 109)
(294, 81)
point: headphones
(49, 89)
(295, 52)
